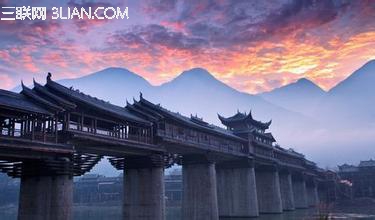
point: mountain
(107, 82)
(301, 96)
(354, 97)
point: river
(114, 213)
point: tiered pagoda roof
(106, 107)
(243, 118)
(20, 102)
(54, 97)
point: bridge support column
(312, 194)
(236, 189)
(144, 188)
(46, 197)
(199, 189)
(299, 191)
(286, 190)
(268, 190)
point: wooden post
(92, 126)
(44, 129)
(68, 121)
(56, 131)
(22, 127)
(49, 124)
(95, 125)
(139, 134)
(33, 129)
(82, 121)
(10, 128)
(27, 125)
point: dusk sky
(253, 45)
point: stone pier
(268, 189)
(299, 191)
(199, 200)
(286, 190)
(144, 188)
(312, 193)
(46, 197)
(236, 189)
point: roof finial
(49, 75)
(22, 83)
(140, 95)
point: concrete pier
(46, 197)
(299, 192)
(286, 190)
(143, 189)
(199, 200)
(268, 190)
(312, 194)
(236, 190)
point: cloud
(251, 45)
(154, 36)
(6, 82)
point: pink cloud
(6, 82)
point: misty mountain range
(330, 127)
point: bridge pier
(299, 191)
(199, 200)
(236, 189)
(46, 197)
(312, 193)
(144, 188)
(268, 189)
(46, 192)
(286, 190)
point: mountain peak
(300, 96)
(301, 85)
(367, 68)
(114, 71)
(360, 81)
(370, 62)
(304, 80)
(196, 73)
(114, 74)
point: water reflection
(291, 215)
(114, 213)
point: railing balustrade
(118, 134)
(206, 140)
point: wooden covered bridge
(50, 133)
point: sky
(252, 45)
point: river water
(114, 213)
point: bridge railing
(263, 152)
(116, 134)
(199, 141)
(35, 136)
